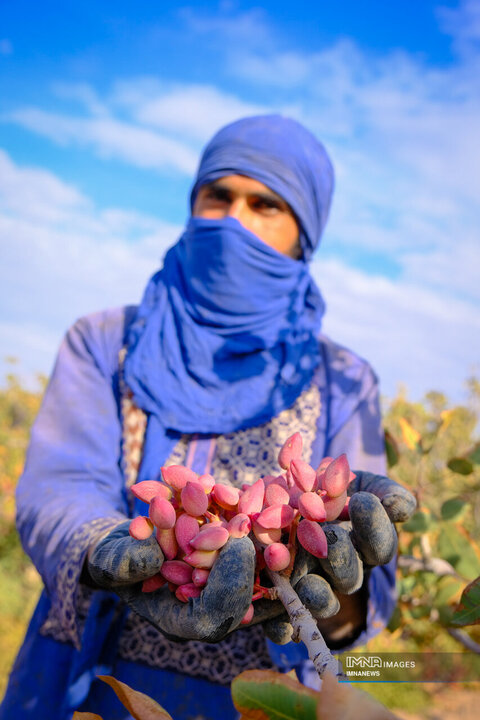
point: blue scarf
(226, 336)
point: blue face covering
(226, 334)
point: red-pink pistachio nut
(202, 558)
(311, 536)
(189, 590)
(248, 617)
(294, 494)
(289, 479)
(186, 528)
(251, 500)
(207, 481)
(277, 556)
(267, 479)
(276, 493)
(168, 543)
(324, 464)
(311, 506)
(213, 521)
(200, 576)
(345, 513)
(162, 513)
(194, 499)
(303, 474)
(148, 489)
(334, 505)
(291, 450)
(275, 516)
(140, 528)
(336, 477)
(225, 496)
(176, 571)
(211, 538)
(266, 537)
(177, 476)
(239, 526)
(153, 583)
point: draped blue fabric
(282, 154)
(226, 336)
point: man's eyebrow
(268, 195)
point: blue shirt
(73, 489)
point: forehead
(243, 184)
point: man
(224, 359)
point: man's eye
(217, 195)
(267, 206)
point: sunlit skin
(255, 206)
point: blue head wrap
(282, 154)
(226, 334)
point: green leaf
(460, 465)
(139, 705)
(474, 455)
(468, 610)
(269, 695)
(447, 587)
(419, 522)
(455, 545)
(391, 449)
(453, 509)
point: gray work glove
(119, 563)
(367, 540)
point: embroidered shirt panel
(246, 455)
(244, 649)
(66, 617)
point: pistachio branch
(305, 627)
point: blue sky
(104, 109)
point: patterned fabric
(66, 617)
(218, 663)
(246, 455)
(134, 423)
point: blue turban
(284, 156)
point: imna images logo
(360, 661)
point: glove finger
(398, 502)
(372, 534)
(119, 559)
(343, 567)
(304, 563)
(278, 630)
(220, 607)
(317, 596)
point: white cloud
(409, 333)
(463, 23)
(194, 111)
(63, 258)
(110, 138)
